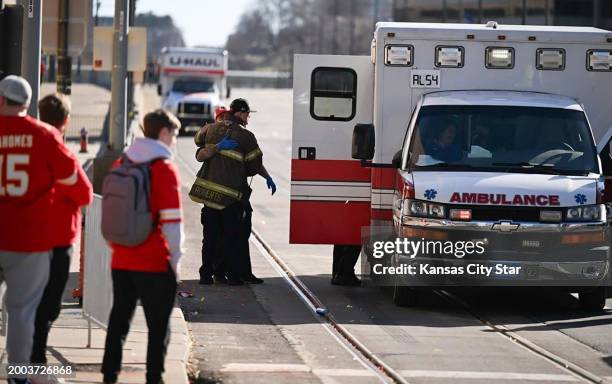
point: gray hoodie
(142, 150)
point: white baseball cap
(17, 89)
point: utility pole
(335, 29)
(596, 13)
(64, 61)
(130, 75)
(376, 10)
(444, 11)
(524, 14)
(118, 121)
(546, 12)
(351, 26)
(96, 17)
(30, 59)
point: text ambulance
(192, 82)
(489, 132)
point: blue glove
(270, 184)
(227, 143)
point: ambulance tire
(592, 300)
(405, 296)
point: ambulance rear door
(330, 192)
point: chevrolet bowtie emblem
(505, 226)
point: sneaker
(205, 280)
(220, 280)
(231, 281)
(252, 279)
(346, 280)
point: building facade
(596, 13)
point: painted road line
(545, 377)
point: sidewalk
(68, 338)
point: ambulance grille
(494, 213)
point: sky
(204, 22)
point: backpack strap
(150, 186)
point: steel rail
(501, 330)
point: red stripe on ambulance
(328, 170)
(341, 223)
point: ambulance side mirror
(363, 142)
(159, 89)
(228, 92)
(397, 160)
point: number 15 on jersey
(13, 181)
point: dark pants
(244, 251)
(221, 228)
(51, 302)
(157, 292)
(345, 258)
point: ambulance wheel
(592, 300)
(405, 296)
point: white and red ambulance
(482, 130)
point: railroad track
(380, 369)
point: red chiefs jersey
(66, 208)
(33, 159)
(153, 255)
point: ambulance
(192, 83)
(497, 133)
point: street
(266, 333)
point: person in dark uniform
(444, 146)
(232, 154)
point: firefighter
(232, 154)
(216, 261)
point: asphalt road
(266, 334)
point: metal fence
(98, 286)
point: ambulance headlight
(599, 60)
(550, 59)
(449, 57)
(424, 209)
(584, 213)
(499, 58)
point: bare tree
(281, 28)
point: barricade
(97, 285)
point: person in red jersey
(33, 161)
(149, 271)
(54, 109)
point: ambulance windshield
(193, 86)
(503, 139)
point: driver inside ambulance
(444, 146)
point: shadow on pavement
(373, 306)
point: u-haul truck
(456, 129)
(192, 82)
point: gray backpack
(126, 210)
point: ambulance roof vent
(491, 24)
